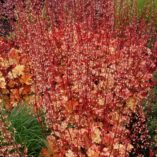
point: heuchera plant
(16, 83)
(89, 77)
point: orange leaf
(15, 96)
(71, 106)
(14, 55)
(7, 103)
(26, 79)
(43, 152)
(11, 83)
(50, 150)
(25, 90)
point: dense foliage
(88, 69)
(15, 78)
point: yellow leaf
(96, 136)
(93, 153)
(4, 63)
(101, 101)
(131, 103)
(18, 71)
(69, 153)
(2, 82)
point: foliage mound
(90, 74)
